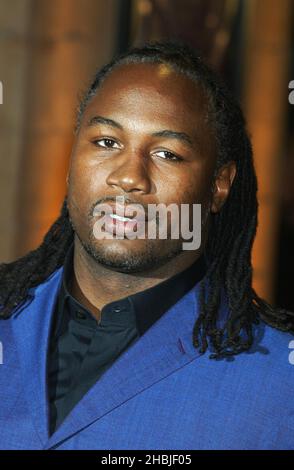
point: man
(136, 343)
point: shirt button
(81, 315)
(118, 309)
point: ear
(222, 185)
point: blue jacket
(159, 394)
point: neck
(95, 285)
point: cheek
(189, 186)
(86, 181)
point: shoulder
(269, 364)
(274, 343)
(51, 282)
(271, 351)
(43, 290)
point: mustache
(123, 200)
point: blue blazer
(159, 394)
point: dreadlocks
(232, 230)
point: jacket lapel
(165, 347)
(31, 327)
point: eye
(106, 143)
(166, 155)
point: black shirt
(81, 348)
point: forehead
(150, 91)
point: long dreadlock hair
(232, 230)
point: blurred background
(49, 50)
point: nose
(131, 175)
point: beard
(128, 256)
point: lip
(132, 211)
(135, 227)
(123, 228)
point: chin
(130, 256)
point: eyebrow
(174, 135)
(171, 134)
(96, 120)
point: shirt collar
(146, 306)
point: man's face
(144, 136)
